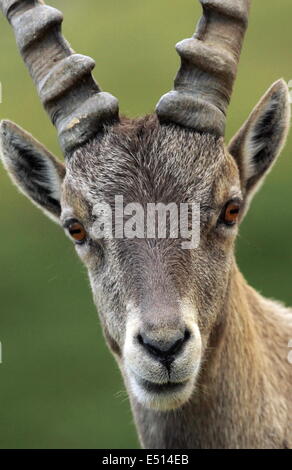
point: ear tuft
(260, 140)
(34, 170)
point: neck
(233, 401)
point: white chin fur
(162, 401)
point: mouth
(169, 387)
(161, 396)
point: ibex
(202, 354)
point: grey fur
(234, 381)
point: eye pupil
(231, 213)
(77, 231)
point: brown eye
(77, 231)
(231, 213)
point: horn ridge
(209, 60)
(74, 101)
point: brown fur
(243, 395)
(228, 384)
(240, 395)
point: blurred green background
(59, 386)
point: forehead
(144, 161)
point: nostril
(187, 335)
(164, 350)
(175, 348)
(152, 346)
(140, 339)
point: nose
(164, 350)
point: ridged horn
(209, 60)
(70, 95)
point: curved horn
(72, 98)
(209, 60)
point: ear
(34, 170)
(260, 140)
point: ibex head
(158, 303)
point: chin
(162, 397)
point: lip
(169, 387)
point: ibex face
(158, 302)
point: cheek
(210, 274)
(111, 312)
(91, 256)
(112, 343)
